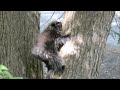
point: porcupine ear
(55, 22)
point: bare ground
(110, 67)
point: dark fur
(46, 49)
(60, 41)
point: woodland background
(110, 68)
(18, 31)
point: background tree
(83, 53)
(18, 30)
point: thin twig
(117, 23)
(49, 19)
(61, 15)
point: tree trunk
(83, 53)
(18, 30)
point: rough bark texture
(83, 53)
(18, 30)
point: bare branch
(61, 15)
(48, 19)
(117, 23)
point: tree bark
(84, 51)
(18, 30)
